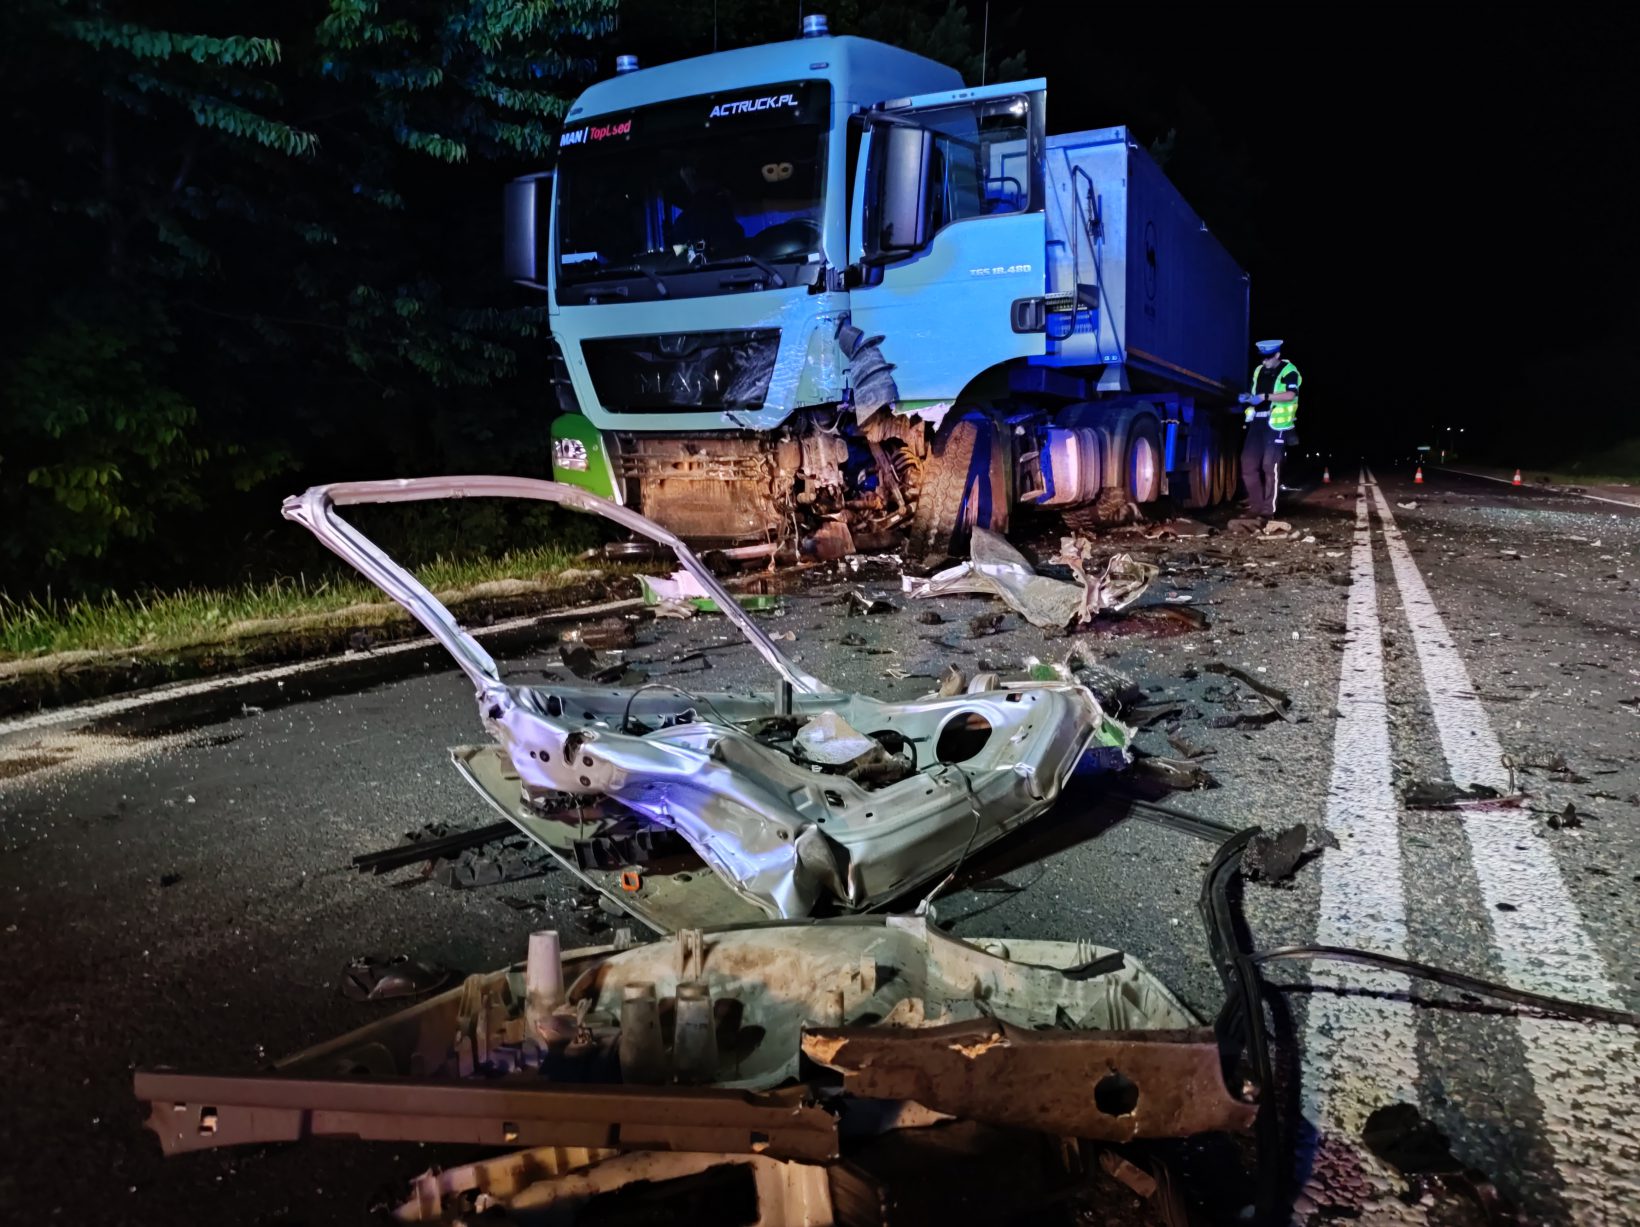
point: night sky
(1435, 205)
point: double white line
(1360, 1050)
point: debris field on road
(781, 1043)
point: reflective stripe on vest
(1283, 415)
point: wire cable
(626, 713)
(1452, 979)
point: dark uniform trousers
(1261, 467)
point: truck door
(947, 235)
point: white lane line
(1360, 1052)
(84, 712)
(1587, 1079)
(1508, 481)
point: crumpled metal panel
(1109, 1086)
(784, 836)
(899, 970)
(996, 568)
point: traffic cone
(1516, 482)
(1326, 476)
(1418, 477)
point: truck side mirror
(903, 157)
(525, 205)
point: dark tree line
(255, 245)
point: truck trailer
(819, 296)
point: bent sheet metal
(790, 834)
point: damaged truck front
(795, 309)
(800, 799)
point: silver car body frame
(782, 834)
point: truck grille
(682, 370)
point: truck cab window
(981, 160)
(683, 191)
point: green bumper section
(755, 602)
(579, 457)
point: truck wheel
(964, 485)
(1142, 459)
(1204, 473)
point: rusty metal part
(497, 1180)
(190, 1112)
(1107, 1086)
(679, 1187)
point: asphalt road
(183, 897)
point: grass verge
(38, 626)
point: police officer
(1271, 411)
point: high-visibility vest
(1283, 415)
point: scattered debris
(1115, 587)
(1130, 1174)
(1567, 819)
(1189, 749)
(432, 842)
(1143, 716)
(681, 595)
(1047, 671)
(169, 879)
(1274, 858)
(1173, 774)
(1400, 1136)
(512, 860)
(371, 978)
(1243, 720)
(1426, 794)
(996, 568)
(603, 636)
(984, 624)
(674, 609)
(1178, 598)
(1412, 506)
(859, 604)
(584, 664)
(930, 617)
(1280, 701)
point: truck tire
(964, 485)
(1204, 474)
(1142, 459)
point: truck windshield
(707, 195)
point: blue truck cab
(820, 296)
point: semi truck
(820, 296)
